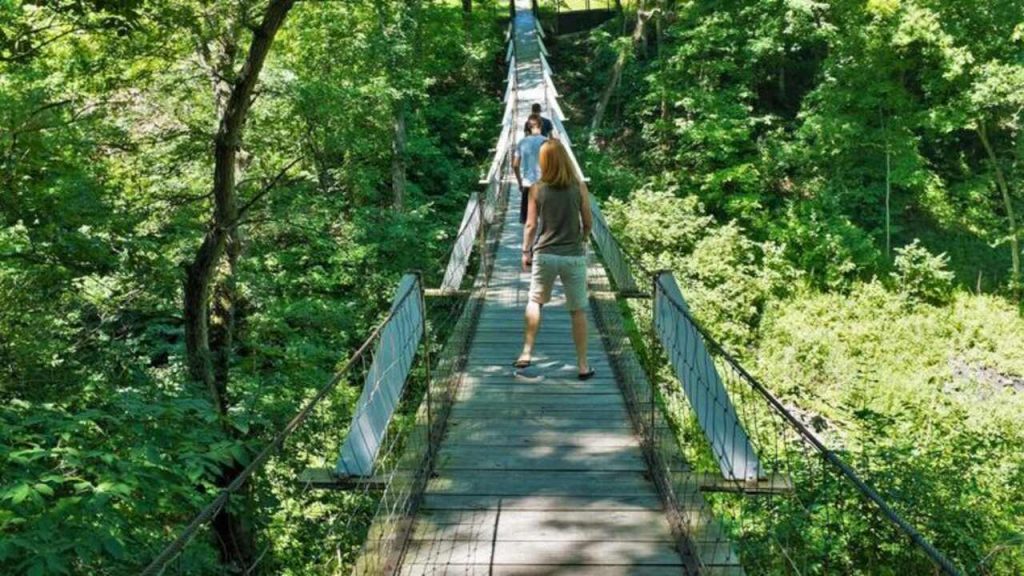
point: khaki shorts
(571, 269)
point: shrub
(725, 276)
(820, 240)
(921, 275)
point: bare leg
(532, 322)
(579, 336)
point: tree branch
(264, 191)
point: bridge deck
(539, 473)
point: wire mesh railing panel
(611, 252)
(463, 245)
(264, 497)
(702, 385)
(385, 381)
(807, 511)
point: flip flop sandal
(587, 375)
(522, 363)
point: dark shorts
(525, 190)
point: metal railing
(264, 483)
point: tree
(996, 101)
(237, 542)
(624, 54)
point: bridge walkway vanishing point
(539, 473)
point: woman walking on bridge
(561, 202)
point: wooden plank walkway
(538, 473)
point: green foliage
(771, 153)
(925, 400)
(727, 278)
(109, 109)
(819, 240)
(922, 275)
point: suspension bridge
(672, 460)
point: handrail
(808, 436)
(214, 507)
(385, 382)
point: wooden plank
(553, 314)
(536, 423)
(468, 457)
(512, 312)
(568, 525)
(711, 482)
(542, 384)
(556, 553)
(538, 570)
(551, 362)
(543, 342)
(512, 336)
(544, 360)
(459, 411)
(540, 483)
(514, 380)
(503, 401)
(433, 501)
(600, 436)
(544, 525)
(328, 478)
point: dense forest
(838, 186)
(352, 167)
(205, 206)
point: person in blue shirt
(546, 127)
(526, 162)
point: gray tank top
(558, 213)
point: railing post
(480, 234)
(426, 365)
(652, 347)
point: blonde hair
(555, 165)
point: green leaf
(113, 547)
(19, 493)
(43, 489)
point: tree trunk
(888, 184)
(616, 77)
(659, 36)
(206, 365)
(467, 6)
(1004, 189)
(398, 158)
(606, 95)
